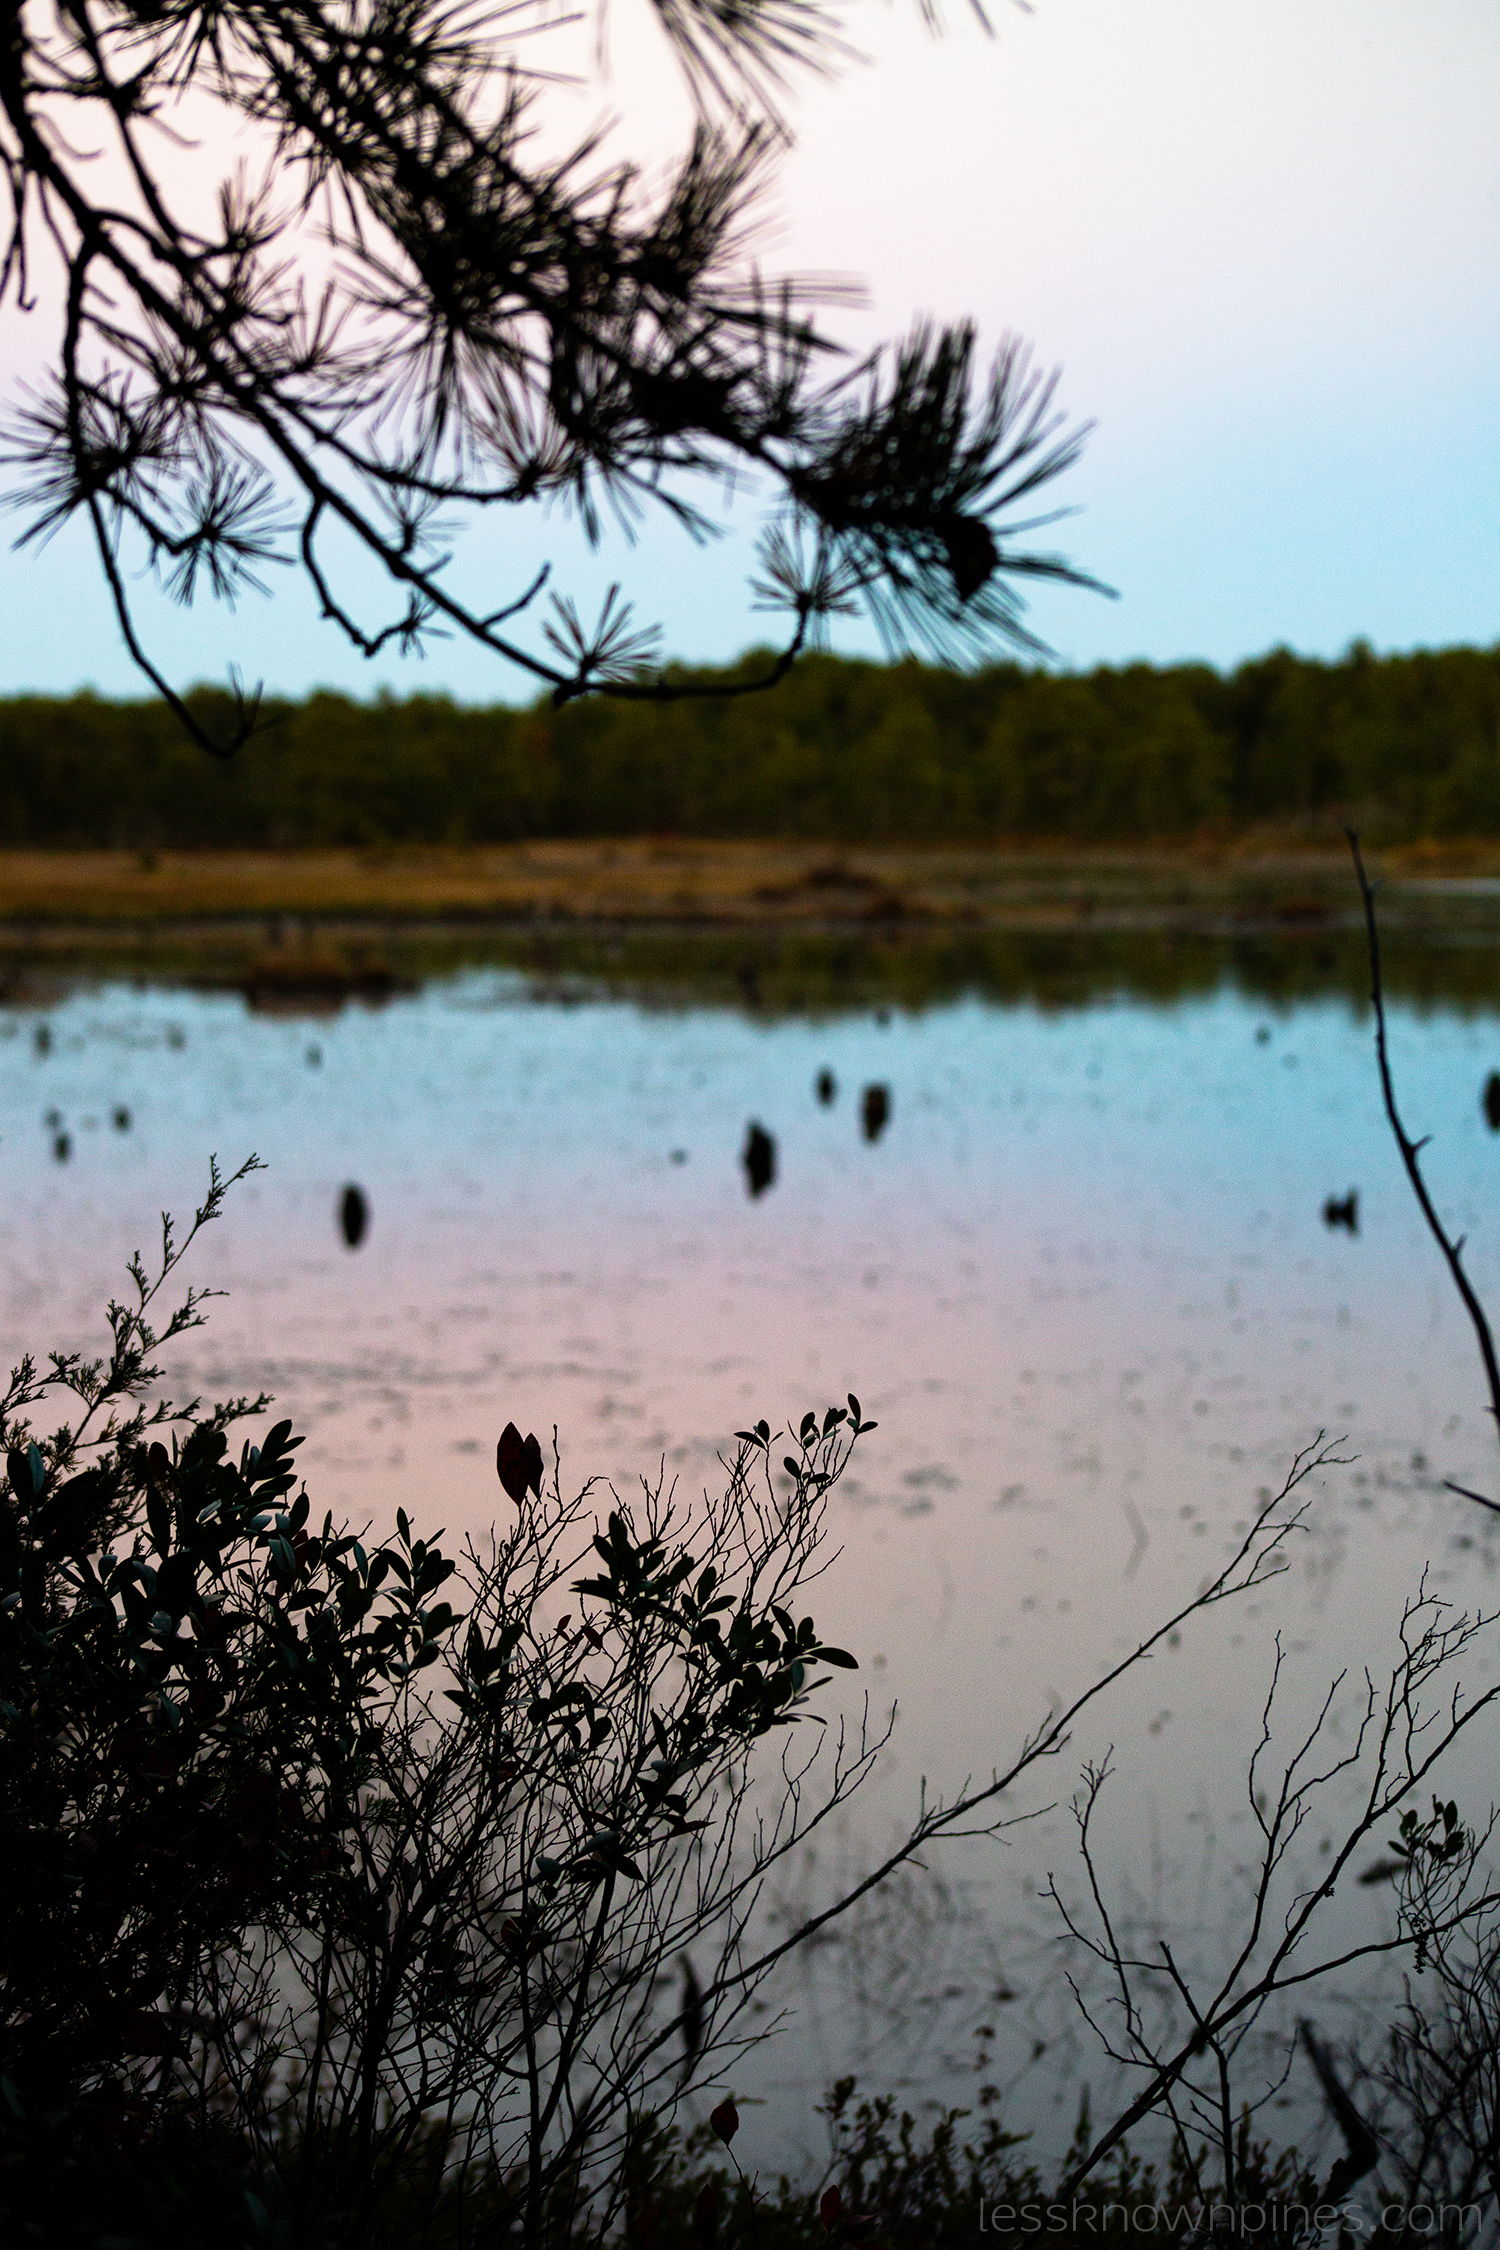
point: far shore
(287, 899)
(768, 926)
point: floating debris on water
(875, 1111)
(828, 1087)
(121, 1118)
(1492, 1101)
(1342, 1211)
(354, 1216)
(759, 1159)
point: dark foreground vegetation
(354, 1888)
(1409, 746)
(306, 1949)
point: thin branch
(1411, 1157)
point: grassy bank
(767, 884)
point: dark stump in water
(875, 1111)
(759, 1159)
(354, 1216)
(1343, 1211)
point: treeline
(1408, 745)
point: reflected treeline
(813, 973)
(769, 973)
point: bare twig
(1411, 1157)
(1403, 1734)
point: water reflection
(769, 973)
(1088, 1293)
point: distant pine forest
(1408, 746)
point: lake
(1082, 1280)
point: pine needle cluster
(407, 310)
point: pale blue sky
(1262, 241)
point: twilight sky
(1263, 243)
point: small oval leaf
(510, 1463)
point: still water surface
(1082, 1281)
